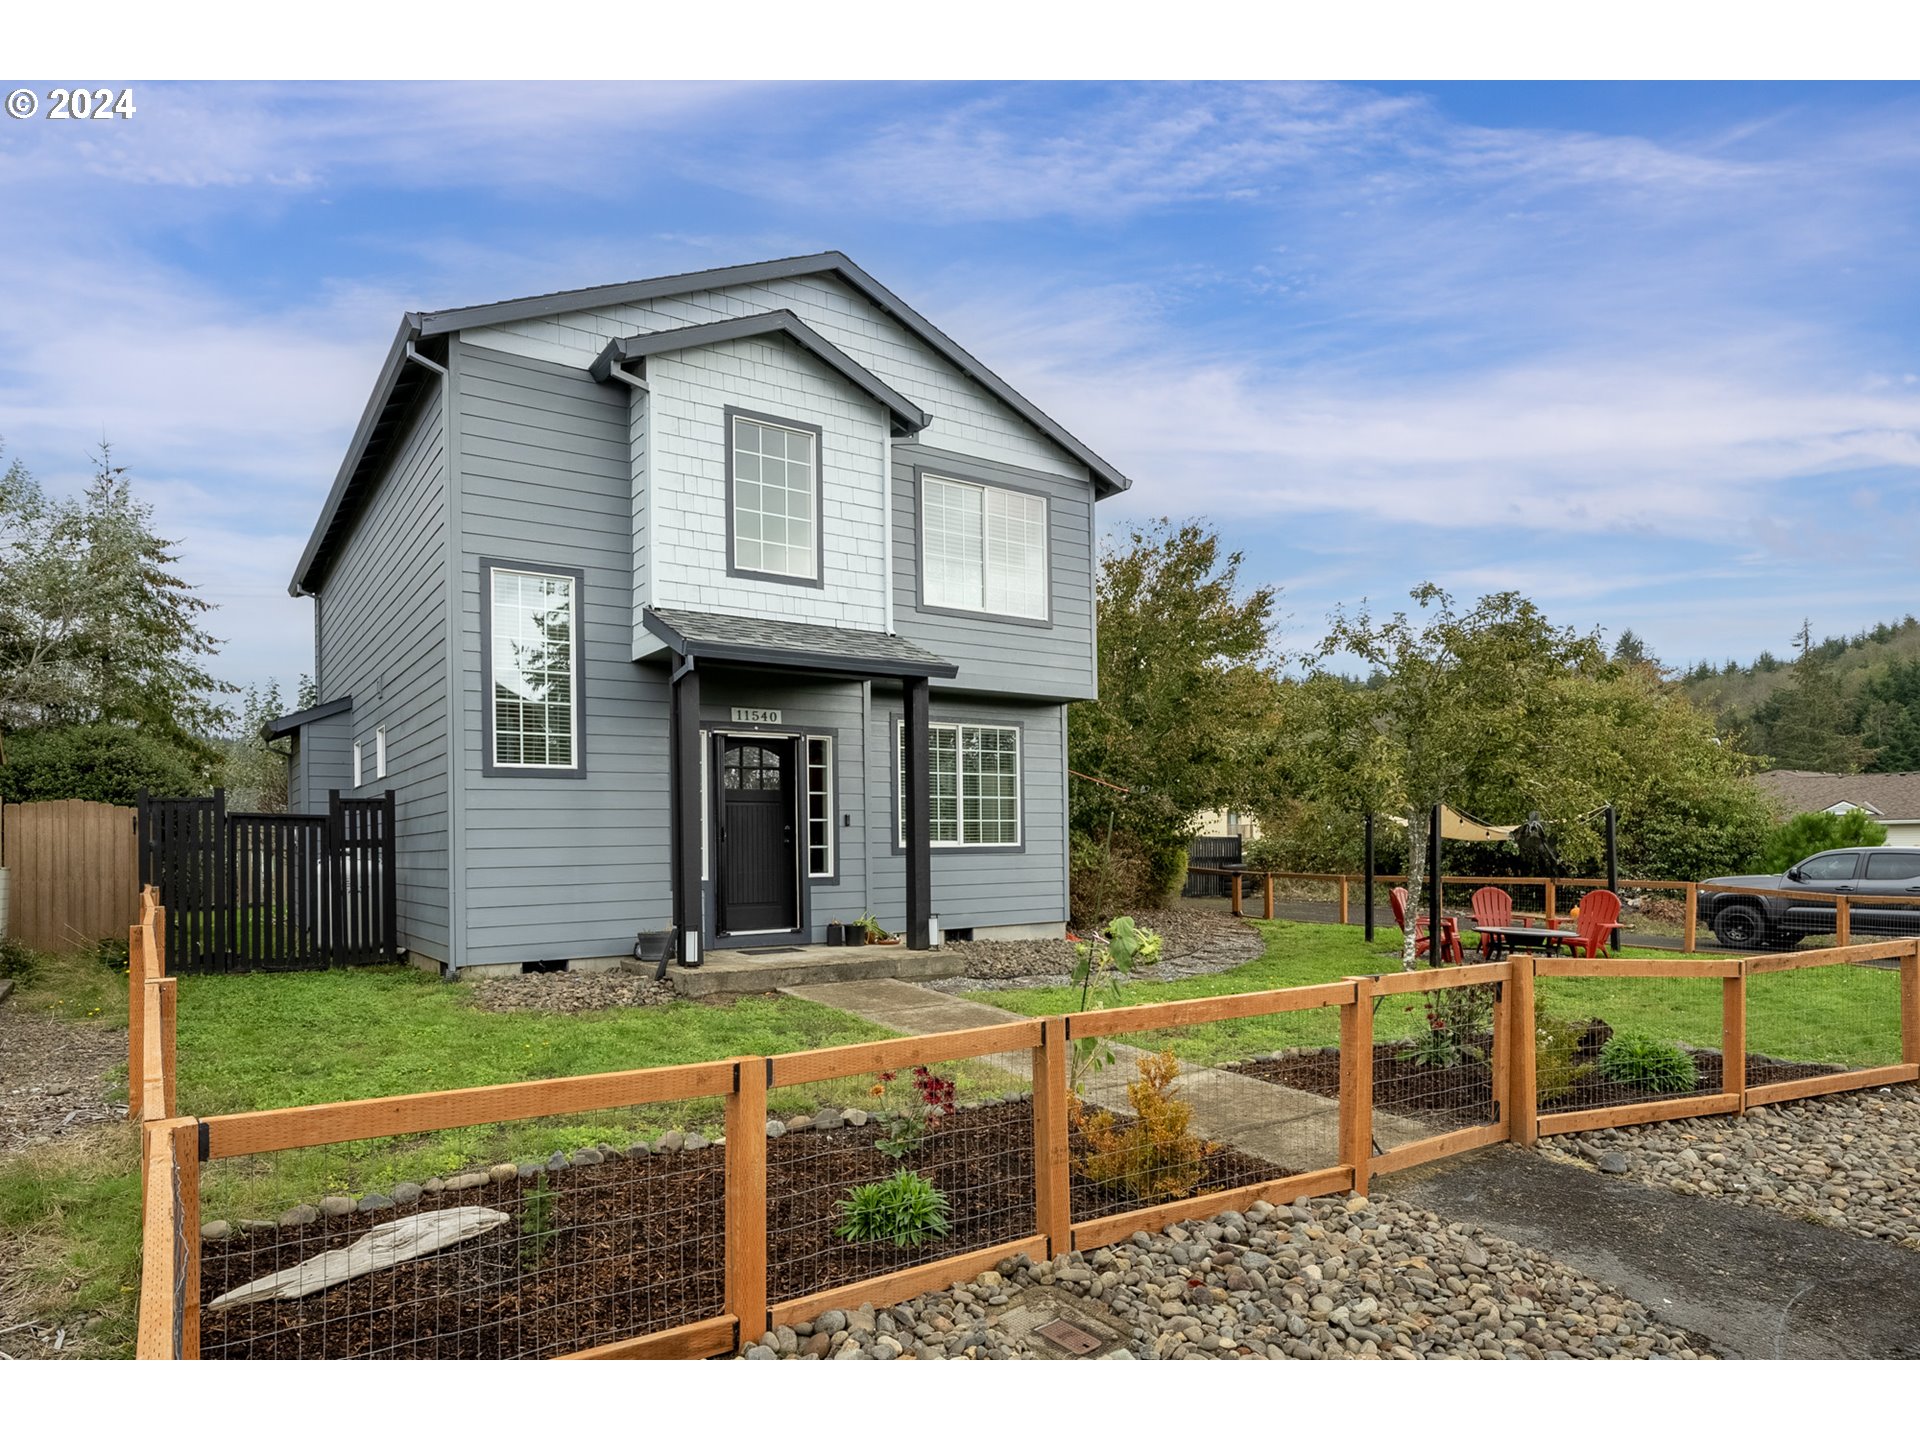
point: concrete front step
(750, 972)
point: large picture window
(973, 789)
(984, 548)
(773, 482)
(533, 666)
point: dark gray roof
(399, 381)
(287, 724)
(743, 640)
(1894, 796)
(908, 418)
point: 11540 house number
(750, 715)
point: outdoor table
(1508, 938)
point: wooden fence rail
(174, 1147)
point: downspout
(886, 528)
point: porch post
(919, 818)
(683, 731)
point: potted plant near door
(872, 932)
(836, 932)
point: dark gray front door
(759, 860)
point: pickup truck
(1758, 922)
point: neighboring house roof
(399, 380)
(739, 639)
(1894, 796)
(287, 724)
(908, 418)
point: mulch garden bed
(1464, 1093)
(637, 1246)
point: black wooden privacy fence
(1223, 851)
(249, 891)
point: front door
(759, 890)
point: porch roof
(286, 724)
(788, 644)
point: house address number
(750, 715)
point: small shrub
(1557, 1062)
(905, 1128)
(536, 1223)
(17, 962)
(1650, 1064)
(1153, 1157)
(906, 1208)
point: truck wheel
(1740, 927)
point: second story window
(773, 499)
(533, 670)
(985, 548)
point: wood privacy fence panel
(73, 869)
(249, 891)
(1212, 853)
(1287, 1094)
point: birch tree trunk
(1416, 874)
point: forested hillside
(1845, 703)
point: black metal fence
(245, 891)
(1215, 851)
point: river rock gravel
(568, 992)
(1849, 1161)
(1342, 1277)
(1194, 942)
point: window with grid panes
(532, 668)
(820, 805)
(974, 785)
(775, 499)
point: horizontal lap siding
(382, 640)
(978, 887)
(325, 763)
(558, 869)
(1000, 656)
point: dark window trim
(488, 766)
(732, 413)
(960, 475)
(942, 847)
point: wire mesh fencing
(887, 1157)
(1173, 1108)
(1815, 1019)
(522, 1239)
(1612, 1035)
(1439, 1062)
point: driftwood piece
(383, 1246)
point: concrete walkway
(1759, 1284)
(1290, 1128)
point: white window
(775, 481)
(380, 753)
(973, 788)
(533, 662)
(820, 805)
(356, 765)
(984, 548)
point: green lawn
(1847, 1015)
(70, 1211)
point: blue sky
(1645, 352)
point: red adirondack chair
(1593, 931)
(1449, 930)
(1491, 906)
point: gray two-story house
(729, 604)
